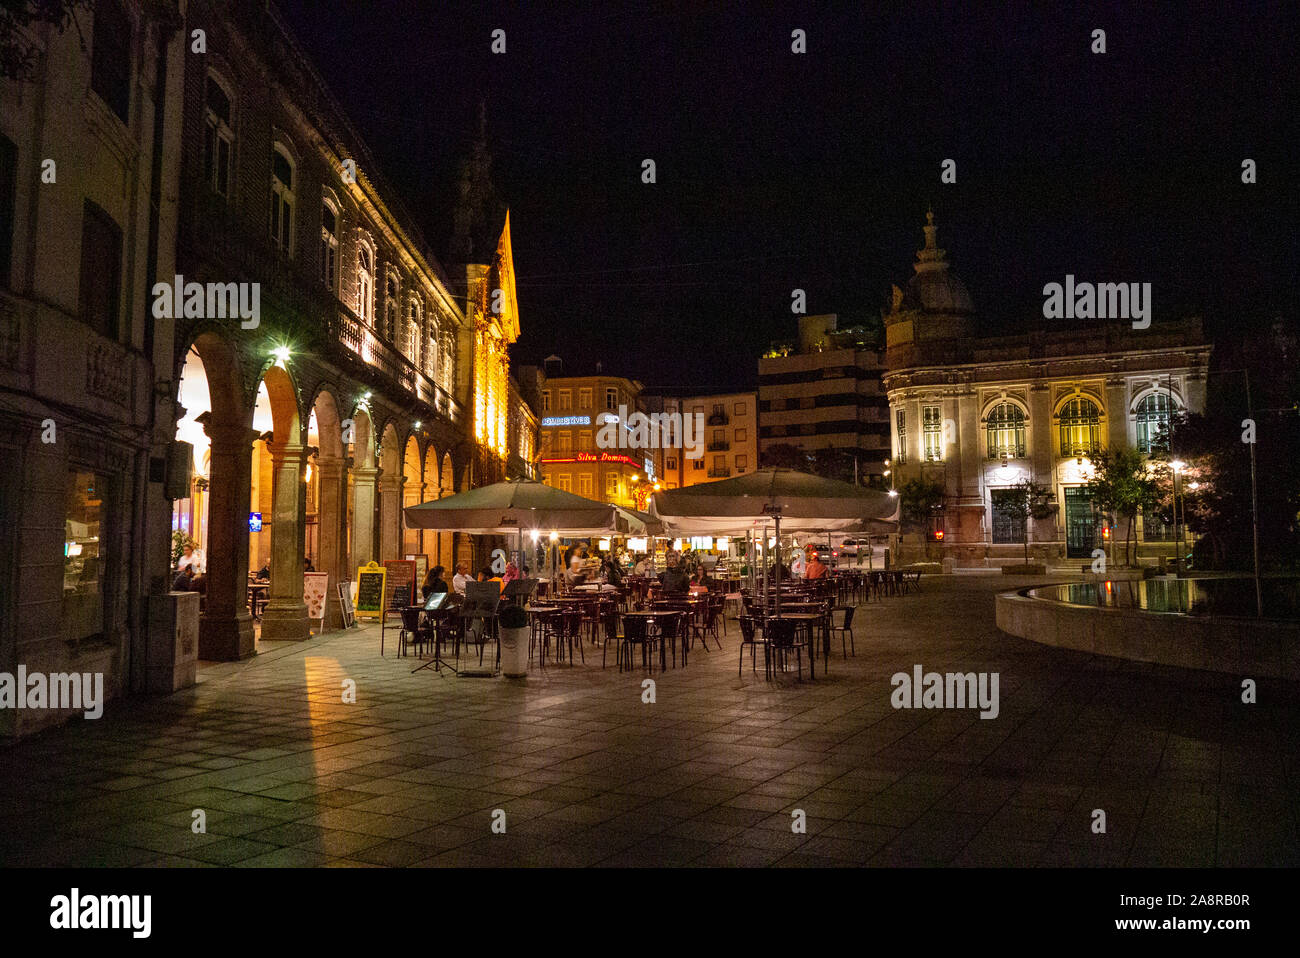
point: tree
(1024, 501)
(783, 455)
(1123, 483)
(918, 499)
(20, 21)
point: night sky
(814, 171)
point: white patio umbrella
(799, 501)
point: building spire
(931, 257)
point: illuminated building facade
(726, 434)
(573, 410)
(977, 414)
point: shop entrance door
(1080, 523)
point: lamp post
(1178, 466)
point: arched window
(366, 283)
(1080, 427)
(218, 138)
(282, 199)
(448, 357)
(390, 308)
(1152, 416)
(329, 245)
(1006, 431)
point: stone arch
(285, 616)
(327, 497)
(364, 498)
(412, 492)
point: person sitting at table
(486, 574)
(815, 569)
(460, 578)
(642, 565)
(307, 566)
(511, 574)
(183, 580)
(264, 574)
(674, 579)
(433, 582)
(189, 560)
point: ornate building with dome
(976, 414)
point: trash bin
(512, 623)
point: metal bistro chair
(844, 626)
(781, 639)
(674, 627)
(636, 632)
(749, 635)
(412, 631)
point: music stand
(519, 591)
(480, 605)
(435, 603)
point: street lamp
(1177, 465)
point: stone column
(226, 629)
(333, 472)
(390, 517)
(365, 481)
(1116, 412)
(285, 616)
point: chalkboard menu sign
(370, 589)
(400, 588)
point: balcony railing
(718, 419)
(720, 473)
(719, 446)
(304, 310)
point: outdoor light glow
(636, 478)
(555, 536)
(637, 545)
(1178, 465)
(1193, 486)
(534, 535)
(281, 354)
(603, 545)
(416, 424)
(894, 493)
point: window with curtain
(329, 246)
(218, 139)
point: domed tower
(929, 321)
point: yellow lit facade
(495, 311)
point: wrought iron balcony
(720, 473)
(718, 419)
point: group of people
(583, 567)
(434, 581)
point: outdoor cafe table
(805, 621)
(650, 617)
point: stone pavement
(289, 775)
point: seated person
(815, 569)
(184, 579)
(433, 582)
(674, 579)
